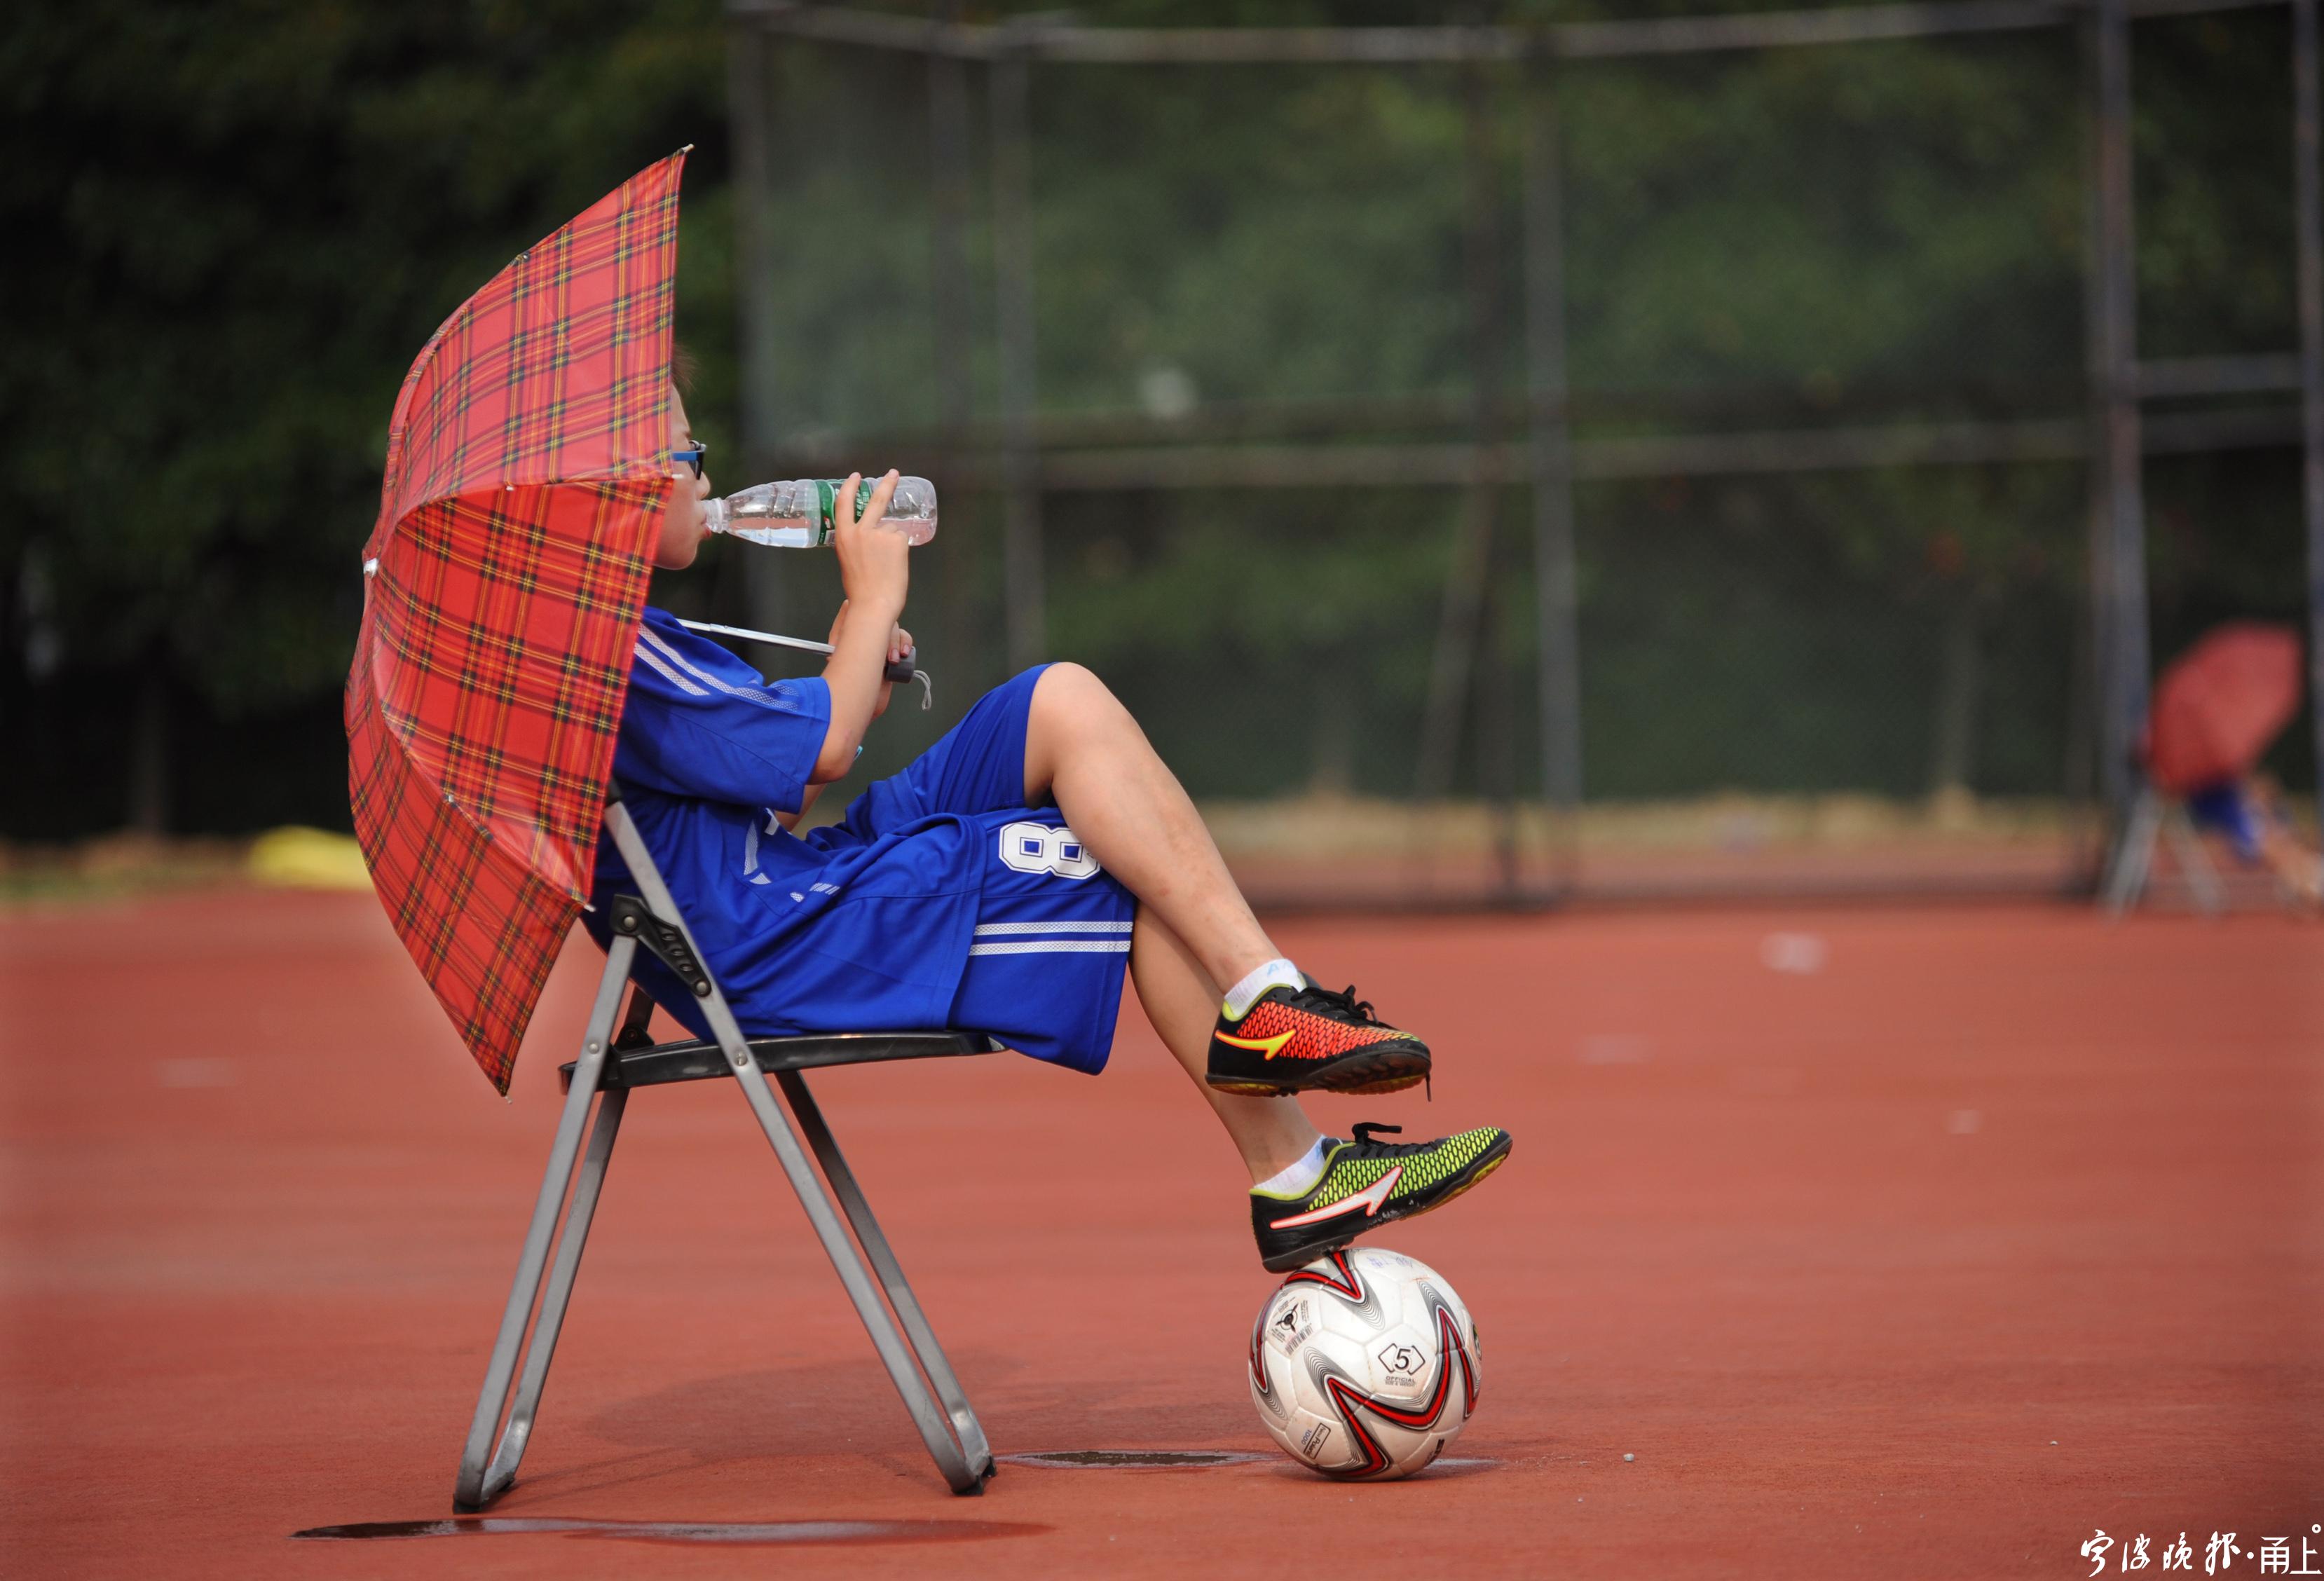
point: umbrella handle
(899, 673)
(903, 672)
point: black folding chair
(612, 1064)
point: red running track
(1994, 1228)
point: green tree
(234, 226)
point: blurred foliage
(1882, 214)
(232, 226)
(234, 223)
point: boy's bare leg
(1181, 1001)
(2296, 868)
(1192, 933)
(1082, 749)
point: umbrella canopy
(2220, 703)
(503, 584)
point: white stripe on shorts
(984, 928)
(1054, 947)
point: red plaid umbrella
(2220, 703)
(502, 584)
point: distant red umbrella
(2220, 703)
(526, 478)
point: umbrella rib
(742, 632)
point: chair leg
(470, 1491)
(2126, 876)
(935, 1427)
(822, 1214)
(571, 1242)
(2195, 864)
(858, 1208)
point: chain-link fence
(1499, 465)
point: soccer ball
(1364, 1365)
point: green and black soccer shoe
(1368, 1184)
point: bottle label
(826, 497)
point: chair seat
(696, 1061)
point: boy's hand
(874, 565)
(900, 643)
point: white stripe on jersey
(750, 693)
(984, 928)
(671, 675)
(1054, 947)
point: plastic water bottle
(798, 514)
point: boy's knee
(1070, 683)
(1073, 692)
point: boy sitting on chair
(996, 885)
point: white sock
(1277, 973)
(1296, 1179)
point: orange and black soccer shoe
(1308, 1039)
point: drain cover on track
(710, 1531)
(1132, 1459)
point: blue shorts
(1045, 970)
(2224, 807)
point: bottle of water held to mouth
(798, 514)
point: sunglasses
(692, 457)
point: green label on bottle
(826, 496)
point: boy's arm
(790, 820)
(900, 643)
(874, 573)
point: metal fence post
(2123, 656)
(1468, 583)
(948, 291)
(748, 49)
(2307, 178)
(1022, 593)
(1557, 593)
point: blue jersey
(861, 926)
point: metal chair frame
(2154, 817)
(610, 1065)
